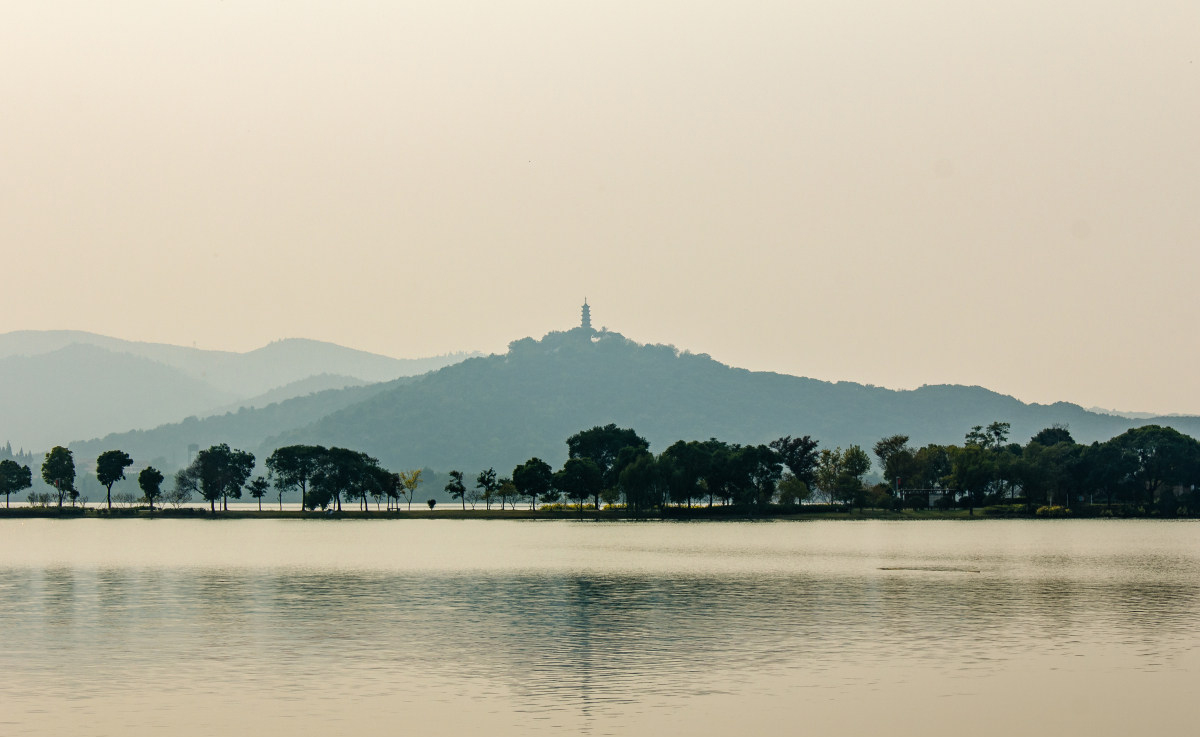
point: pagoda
(586, 322)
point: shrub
(1052, 511)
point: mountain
(238, 374)
(78, 390)
(166, 446)
(499, 410)
(300, 388)
(58, 385)
(502, 409)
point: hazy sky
(899, 193)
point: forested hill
(500, 410)
(60, 385)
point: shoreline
(697, 514)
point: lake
(440, 627)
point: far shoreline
(695, 514)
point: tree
(1158, 456)
(993, 436)
(640, 480)
(150, 480)
(381, 482)
(473, 495)
(799, 455)
(58, 470)
(258, 489)
(840, 472)
(972, 469)
(293, 467)
(534, 479)
(13, 478)
(341, 471)
(486, 483)
(456, 489)
(1053, 435)
(579, 479)
(792, 491)
(187, 483)
(410, 480)
(721, 477)
(602, 445)
(110, 468)
(685, 465)
(432, 503)
(506, 490)
(217, 472)
(762, 471)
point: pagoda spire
(586, 322)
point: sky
(996, 194)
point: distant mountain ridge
(61, 385)
(500, 410)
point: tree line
(1146, 470)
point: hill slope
(80, 390)
(240, 375)
(499, 410)
(59, 385)
(502, 409)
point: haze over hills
(61, 385)
(499, 410)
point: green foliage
(534, 479)
(110, 468)
(793, 491)
(293, 467)
(150, 482)
(486, 484)
(217, 473)
(839, 475)
(456, 488)
(799, 455)
(58, 470)
(13, 478)
(1053, 511)
(579, 479)
(641, 481)
(1053, 435)
(409, 481)
(604, 446)
(258, 487)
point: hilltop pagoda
(586, 321)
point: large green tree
(293, 467)
(762, 471)
(13, 478)
(218, 472)
(58, 470)
(642, 483)
(799, 455)
(1158, 457)
(685, 464)
(534, 479)
(150, 481)
(110, 468)
(840, 473)
(340, 472)
(579, 479)
(602, 445)
(896, 458)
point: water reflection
(586, 650)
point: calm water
(134, 627)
